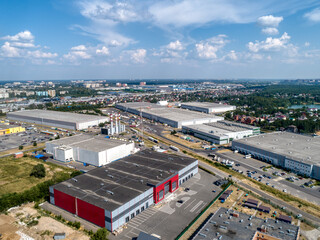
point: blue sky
(215, 39)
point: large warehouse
(208, 107)
(174, 117)
(112, 195)
(66, 120)
(298, 153)
(94, 150)
(221, 132)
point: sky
(167, 39)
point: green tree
(173, 132)
(20, 147)
(38, 171)
(101, 234)
(35, 144)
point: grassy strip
(263, 187)
(267, 201)
(202, 212)
(206, 170)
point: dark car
(180, 201)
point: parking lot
(12, 141)
(169, 218)
(254, 168)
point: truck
(174, 148)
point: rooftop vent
(101, 184)
(110, 176)
(109, 192)
(74, 179)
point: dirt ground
(182, 141)
(26, 223)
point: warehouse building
(208, 107)
(230, 225)
(174, 117)
(93, 150)
(66, 120)
(112, 195)
(295, 152)
(221, 132)
(10, 129)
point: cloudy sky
(90, 39)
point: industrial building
(66, 120)
(221, 132)
(174, 117)
(9, 129)
(115, 126)
(94, 150)
(207, 107)
(295, 152)
(230, 225)
(112, 195)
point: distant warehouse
(295, 152)
(9, 129)
(221, 132)
(111, 196)
(94, 150)
(66, 120)
(174, 117)
(207, 107)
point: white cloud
(269, 21)
(21, 36)
(208, 49)
(79, 48)
(306, 44)
(138, 56)
(175, 46)
(314, 15)
(40, 54)
(77, 53)
(232, 55)
(8, 51)
(103, 51)
(270, 31)
(119, 11)
(270, 44)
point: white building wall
(118, 152)
(64, 155)
(116, 223)
(186, 169)
(90, 157)
(298, 167)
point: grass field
(15, 173)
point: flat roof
(4, 126)
(221, 128)
(170, 113)
(206, 104)
(291, 145)
(58, 116)
(89, 142)
(117, 183)
(238, 228)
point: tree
(101, 234)
(35, 144)
(20, 147)
(101, 124)
(38, 171)
(173, 132)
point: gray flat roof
(205, 104)
(126, 178)
(221, 128)
(232, 229)
(173, 114)
(89, 142)
(58, 116)
(293, 146)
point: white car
(284, 190)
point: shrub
(38, 171)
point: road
(220, 173)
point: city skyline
(99, 39)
